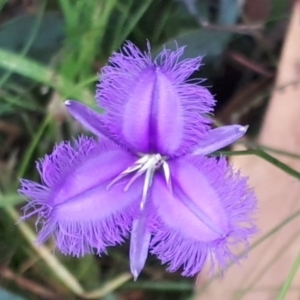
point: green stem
(159, 285)
(260, 153)
(32, 146)
(258, 277)
(255, 146)
(64, 275)
(289, 278)
(286, 221)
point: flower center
(148, 163)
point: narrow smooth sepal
(89, 118)
(219, 138)
(139, 245)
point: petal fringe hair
(78, 237)
(239, 203)
(119, 79)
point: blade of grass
(262, 154)
(160, 26)
(108, 287)
(34, 142)
(10, 200)
(124, 13)
(254, 146)
(274, 259)
(52, 262)
(93, 39)
(289, 278)
(59, 269)
(279, 151)
(35, 71)
(19, 101)
(159, 285)
(85, 38)
(30, 40)
(274, 230)
(87, 81)
(133, 20)
(70, 14)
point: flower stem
(289, 278)
(264, 155)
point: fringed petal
(219, 138)
(208, 213)
(74, 204)
(157, 108)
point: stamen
(137, 165)
(148, 164)
(147, 184)
(133, 179)
(167, 174)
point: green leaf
(201, 42)
(264, 155)
(289, 278)
(6, 108)
(127, 23)
(36, 71)
(10, 200)
(15, 34)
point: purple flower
(149, 175)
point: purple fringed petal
(219, 138)
(157, 109)
(208, 214)
(74, 203)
